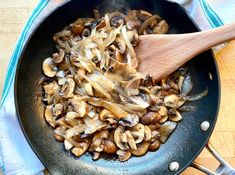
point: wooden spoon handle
(210, 38)
(187, 46)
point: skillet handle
(223, 169)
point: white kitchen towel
(16, 156)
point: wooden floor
(14, 14)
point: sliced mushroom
(48, 67)
(68, 88)
(142, 148)
(123, 155)
(162, 111)
(67, 145)
(51, 88)
(96, 155)
(166, 129)
(95, 144)
(129, 121)
(78, 151)
(175, 118)
(150, 117)
(59, 138)
(171, 100)
(147, 133)
(109, 146)
(116, 21)
(161, 28)
(58, 109)
(138, 132)
(131, 140)
(58, 57)
(101, 135)
(106, 115)
(120, 138)
(49, 116)
(154, 146)
(163, 119)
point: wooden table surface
(13, 16)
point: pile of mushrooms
(94, 96)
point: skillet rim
(212, 125)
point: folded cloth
(16, 156)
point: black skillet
(184, 144)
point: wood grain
(175, 50)
(14, 14)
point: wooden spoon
(160, 55)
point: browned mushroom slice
(58, 109)
(106, 115)
(161, 28)
(142, 148)
(120, 138)
(138, 132)
(78, 151)
(150, 117)
(109, 146)
(130, 120)
(163, 119)
(58, 57)
(95, 144)
(123, 155)
(96, 155)
(166, 129)
(58, 138)
(48, 67)
(131, 20)
(116, 18)
(147, 133)
(162, 111)
(68, 88)
(51, 88)
(49, 116)
(175, 118)
(171, 100)
(131, 140)
(154, 146)
(62, 35)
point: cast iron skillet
(183, 145)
